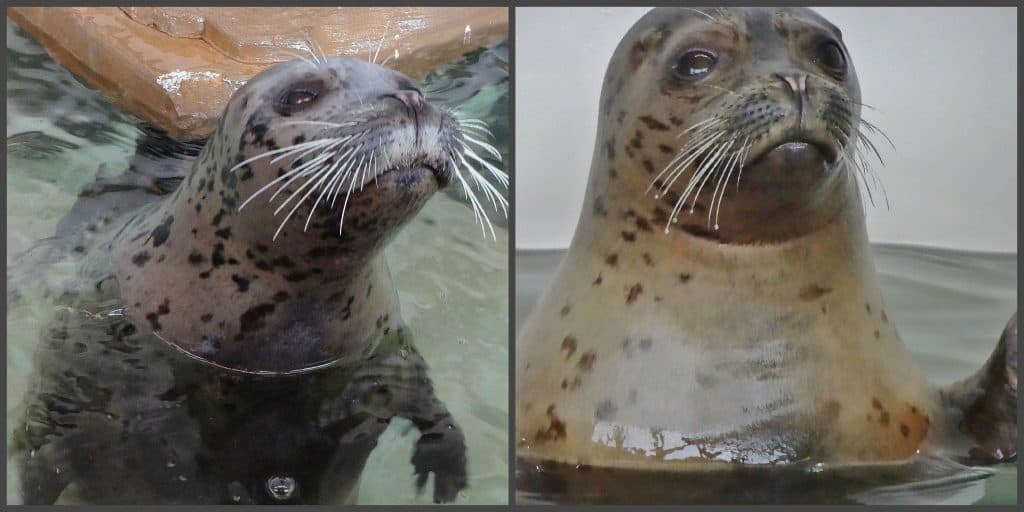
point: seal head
(267, 257)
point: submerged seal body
(718, 306)
(238, 340)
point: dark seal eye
(831, 57)
(695, 64)
(296, 99)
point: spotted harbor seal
(236, 337)
(718, 308)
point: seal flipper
(984, 406)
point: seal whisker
(296, 147)
(730, 166)
(300, 171)
(320, 175)
(478, 211)
(712, 119)
(381, 44)
(681, 168)
(693, 144)
(293, 174)
(716, 169)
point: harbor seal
(718, 307)
(235, 337)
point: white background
(944, 79)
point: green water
(452, 281)
(950, 308)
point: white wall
(944, 79)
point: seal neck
(191, 270)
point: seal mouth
(421, 164)
(798, 148)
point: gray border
(511, 339)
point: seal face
(718, 304)
(259, 352)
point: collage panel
(766, 255)
(257, 255)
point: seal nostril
(410, 98)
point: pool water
(950, 308)
(452, 280)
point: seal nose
(411, 98)
(796, 80)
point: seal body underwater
(238, 339)
(718, 307)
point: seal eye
(695, 64)
(296, 99)
(830, 56)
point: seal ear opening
(986, 403)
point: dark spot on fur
(141, 258)
(586, 362)
(813, 291)
(612, 260)
(645, 344)
(642, 224)
(653, 124)
(569, 346)
(684, 277)
(204, 275)
(648, 259)
(296, 276)
(280, 296)
(904, 429)
(876, 404)
(605, 411)
(883, 419)
(206, 317)
(154, 321)
(243, 283)
(634, 292)
(665, 149)
(565, 310)
(224, 233)
(162, 232)
(598, 280)
(254, 319)
(555, 430)
(629, 236)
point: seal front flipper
(983, 407)
(441, 449)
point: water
(950, 308)
(452, 281)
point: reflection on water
(950, 308)
(452, 284)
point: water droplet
(281, 487)
(236, 498)
(404, 353)
(171, 463)
(182, 478)
(31, 453)
(579, 466)
(818, 467)
(716, 227)
(538, 468)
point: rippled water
(452, 281)
(950, 307)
